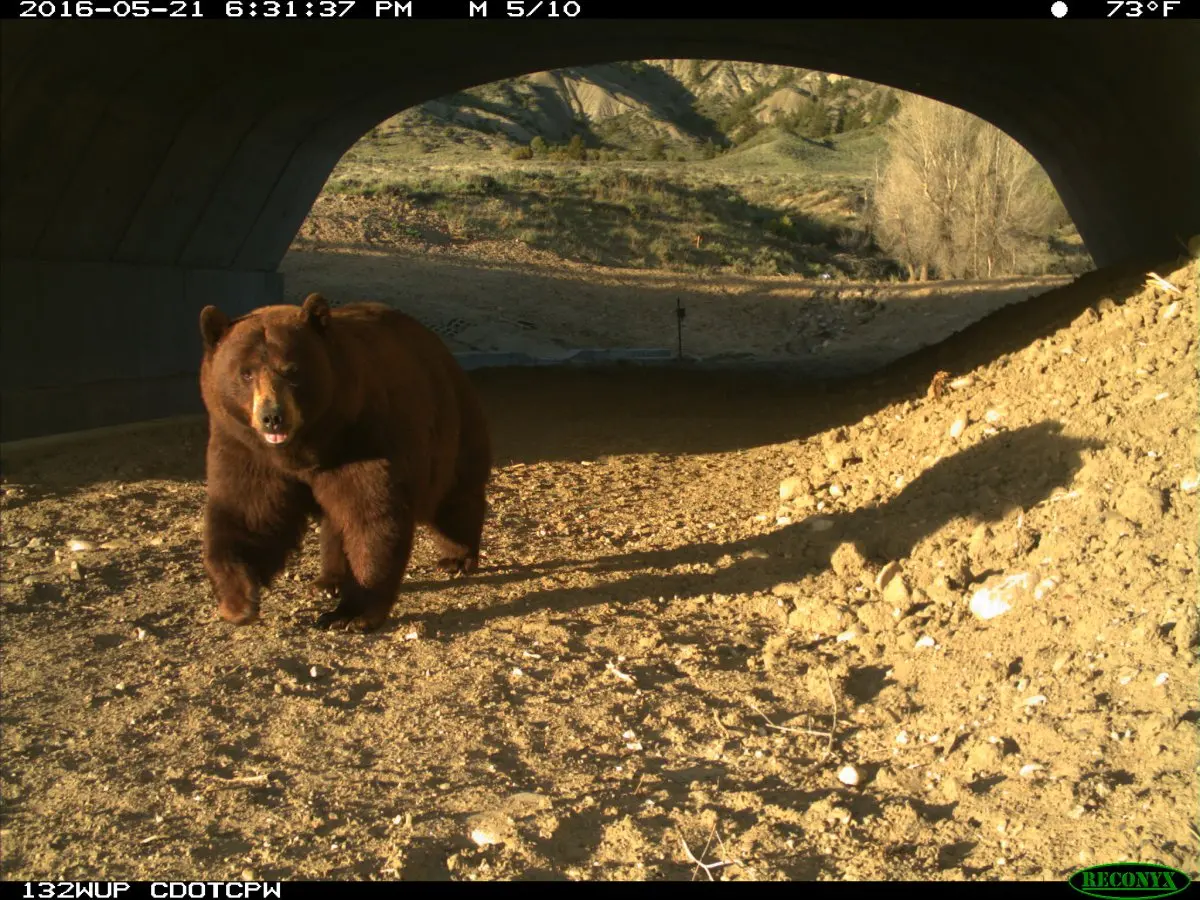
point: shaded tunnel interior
(149, 169)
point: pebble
(997, 595)
(1140, 505)
(792, 487)
(1044, 587)
(926, 641)
(957, 427)
(848, 775)
(1186, 633)
(847, 560)
(78, 546)
(886, 574)
(896, 593)
(986, 756)
(1189, 483)
(837, 458)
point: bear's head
(270, 371)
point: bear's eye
(247, 375)
(290, 372)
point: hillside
(688, 105)
(685, 165)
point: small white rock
(957, 427)
(1045, 586)
(1036, 700)
(484, 837)
(78, 546)
(411, 636)
(848, 775)
(516, 672)
(1028, 769)
(926, 641)
(1189, 483)
(313, 671)
(996, 599)
(964, 381)
(849, 635)
(835, 490)
(902, 737)
(1161, 679)
(992, 416)
(792, 487)
(1170, 311)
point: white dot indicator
(1059, 9)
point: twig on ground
(707, 867)
(624, 676)
(789, 730)
(241, 780)
(1155, 278)
(833, 702)
(720, 724)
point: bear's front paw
(458, 565)
(350, 621)
(237, 612)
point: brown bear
(359, 415)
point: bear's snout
(270, 418)
(274, 417)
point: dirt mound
(917, 625)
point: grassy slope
(777, 203)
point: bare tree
(960, 198)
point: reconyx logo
(1118, 881)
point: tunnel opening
(710, 213)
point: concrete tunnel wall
(150, 167)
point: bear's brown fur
(359, 415)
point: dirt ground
(724, 618)
(503, 296)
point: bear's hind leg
(376, 526)
(458, 521)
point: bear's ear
(316, 311)
(213, 325)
